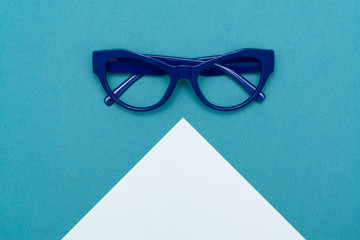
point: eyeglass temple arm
(122, 88)
(131, 80)
(243, 82)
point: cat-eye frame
(142, 82)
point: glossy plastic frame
(260, 60)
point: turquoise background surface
(62, 149)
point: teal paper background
(62, 149)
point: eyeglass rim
(265, 56)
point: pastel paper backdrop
(62, 149)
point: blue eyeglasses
(142, 82)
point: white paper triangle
(183, 189)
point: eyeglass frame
(189, 68)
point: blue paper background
(62, 149)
